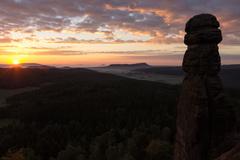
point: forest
(78, 114)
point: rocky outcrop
(203, 118)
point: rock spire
(203, 117)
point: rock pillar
(201, 110)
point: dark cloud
(164, 20)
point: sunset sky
(101, 32)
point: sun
(16, 61)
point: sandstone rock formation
(203, 118)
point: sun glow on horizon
(16, 61)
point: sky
(102, 32)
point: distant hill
(35, 65)
(230, 74)
(12, 78)
(163, 70)
(26, 65)
(134, 66)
